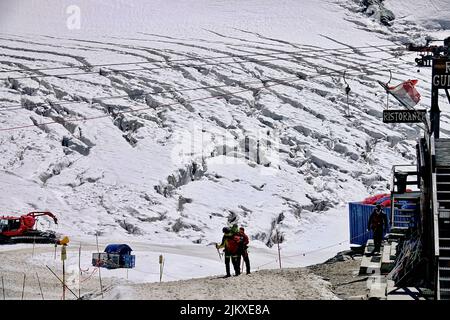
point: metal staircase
(443, 226)
(441, 203)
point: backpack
(233, 244)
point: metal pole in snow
(23, 287)
(218, 251)
(79, 271)
(40, 288)
(99, 267)
(56, 276)
(64, 280)
(3, 287)
(34, 243)
(161, 266)
(278, 244)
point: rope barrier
(317, 250)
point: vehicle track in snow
(241, 109)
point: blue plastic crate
(129, 261)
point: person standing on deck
(377, 223)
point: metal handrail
(394, 170)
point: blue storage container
(359, 214)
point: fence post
(3, 287)
(79, 271)
(34, 244)
(99, 267)
(40, 288)
(56, 276)
(63, 258)
(161, 266)
(23, 287)
(278, 244)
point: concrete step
(393, 250)
(390, 286)
(369, 246)
(379, 264)
(370, 264)
(387, 264)
(377, 287)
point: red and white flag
(406, 93)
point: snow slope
(269, 154)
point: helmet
(226, 230)
(378, 206)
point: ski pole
(220, 256)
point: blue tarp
(122, 249)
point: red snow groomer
(21, 229)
